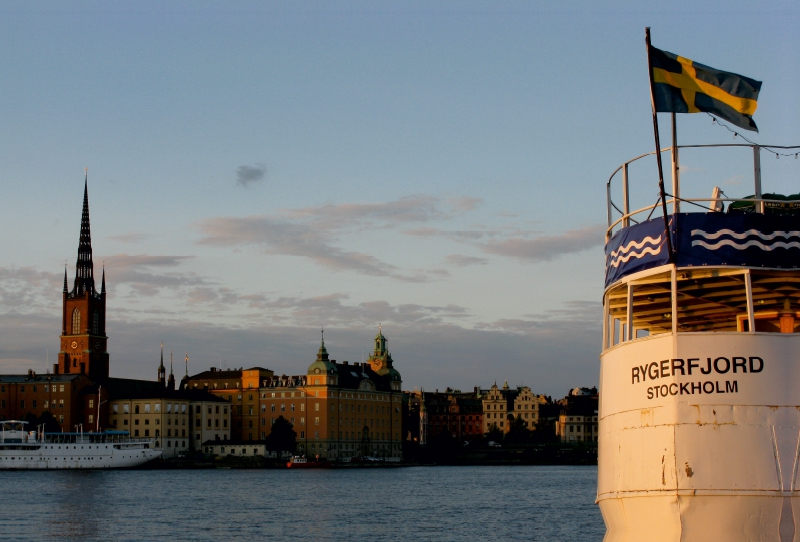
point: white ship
(699, 429)
(21, 449)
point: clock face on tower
(97, 346)
(74, 345)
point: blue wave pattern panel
(749, 240)
(635, 249)
(706, 239)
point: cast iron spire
(84, 268)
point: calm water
(422, 503)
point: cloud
(131, 237)
(459, 260)
(313, 232)
(360, 216)
(547, 247)
(245, 175)
(149, 274)
(290, 239)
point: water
(422, 503)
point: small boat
(21, 449)
(300, 462)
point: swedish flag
(681, 85)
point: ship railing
(626, 216)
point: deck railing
(626, 216)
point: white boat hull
(711, 455)
(55, 456)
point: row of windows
(35, 388)
(35, 404)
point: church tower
(83, 322)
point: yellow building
(178, 420)
(339, 410)
(502, 405)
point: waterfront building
(339, 410)
(577, 420)
(179, 420)
(502, 405)
(457, 414)
(63, 395)
(237, 448)
(239, 387)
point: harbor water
(552, 503)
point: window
(225, 423)
(61, 387)
(316, 407)
(76, 322)
(147, 421)
(302, 434)
(302, 407)
(209, 423)
(263, 408)
(22, 404)
(158, 407)
(302, 420)
(22, 389)
(183, 408)
(34, 389)
(147, 408)
(316, 435)
(136, 433)
(272, 408)
(216, 409)
(91, 403)
(147, 432)
(125, 408)
(3, 403)
(91, 418)
(34, 403)
(96, 323)
(135, 409)
(316, 421)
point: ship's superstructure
(23, 450)
(699, 433)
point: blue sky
(259, 170)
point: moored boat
(300, 462)
(21, 449)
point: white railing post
(626, 207)
(757, 177)
(748, 286)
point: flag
(681, 85)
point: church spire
(84, 268)
(103, 286)
(66, 288)
(161, 369)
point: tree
(518, 431)
(282, 437)
(494, 433)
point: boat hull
(707, 452)
(74, 456)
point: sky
(261, 170)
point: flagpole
(658, 145)
(676, 184)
